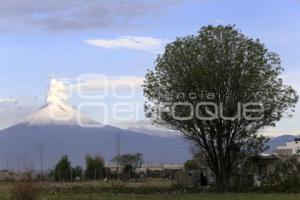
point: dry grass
(25, 189)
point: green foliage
(95, 167)
(244, 183)
(223, 67)
(191, 165)
(62, 170)
(285, 178)
(129, 164)
(154, 173)
(125, 189)
(162, 196)
(133, 160)
(77, 172)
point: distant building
(155, 167)
(291, 148)
(264, 164)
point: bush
(25, 189)
(182, 179)
(243, 183)
(191, 165)
(124, 189)
(285, 178)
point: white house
(291, 148)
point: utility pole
(42, 159)
(100, 173)
(118, 145)
(118, 154)
(7, 161)
(129, 175)
(71, 174)
(59, 174)
(25, 163)
(18, 164)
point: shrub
(182, 179)
(285, 178)
(191, 165)
(25, 189)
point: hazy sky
(40, 40)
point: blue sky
(39, 41)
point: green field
(150, 189)
(204, 196)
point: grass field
(146, 190)
(204, 196)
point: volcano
(57, 115)
(56, 130)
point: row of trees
(95, 167)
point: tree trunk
(222, 176)
(222, 183)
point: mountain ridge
(23, 142)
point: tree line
(95, 169)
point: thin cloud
(99, 82)
(14, 109)
(129, 42)
(90, 82)
(8, 100)
(78, 15)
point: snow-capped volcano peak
(146, 127)
(57, 111)
(57, 114)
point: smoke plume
(57, 92)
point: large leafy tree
(62, 170)
(129, 160)
(95, 167)
(219, 88)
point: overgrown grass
(25, 189)
(206, 196)
(147, 190)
